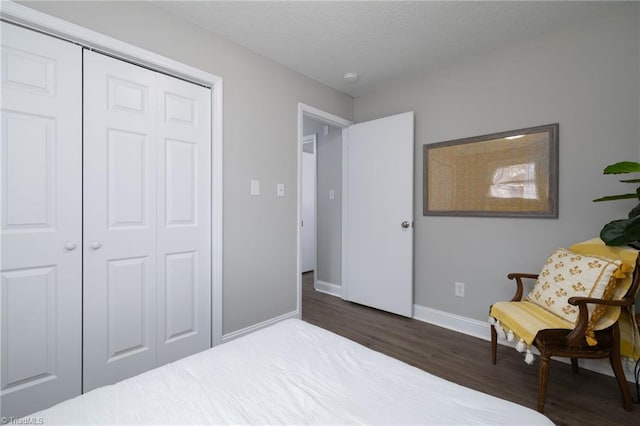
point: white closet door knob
(70, 245)
(95, 245)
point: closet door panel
(120, 186)
(40, 191)
(184, 219)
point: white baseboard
(328, 288)
(482, 330)
(472, 327)
(248, 330)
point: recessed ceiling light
(351, 77)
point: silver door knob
(95, 245)
(69, 245)
(405, 224)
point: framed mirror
(512, 174)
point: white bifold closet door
(41, 216)
(147, 208)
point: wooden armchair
(581, 341)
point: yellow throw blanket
(629, 336)
(525, 319)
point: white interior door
(120, 187)
(41, 192)
(147, 188)
(378, 213)
(309, 203)
(184, 219)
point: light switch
(280, 190)
(332, 194)
(255, 187)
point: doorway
(375, 205)
(309, 202)
(320, 200)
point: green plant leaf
(622, 167)
(634, 211)
(630, 180)
(621, 231)
(615, 197)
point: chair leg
(616, 365)
(543, 379)
(494, 344)
(574, 366)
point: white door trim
(30, 18)
(344, 282)
(327, 118)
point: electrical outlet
(459, 289)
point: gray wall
(329, 217)
(585, 77)
(260, 132)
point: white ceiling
(380, 40)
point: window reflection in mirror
(516, 181)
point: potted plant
(623, 231)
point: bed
(289, 373)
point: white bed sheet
(290, 373)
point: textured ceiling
(380, 40)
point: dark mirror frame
(550, 209)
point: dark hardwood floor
(587, 398)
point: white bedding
(290, 373)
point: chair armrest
(583, 314)
(578, 301)
(518, 276)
